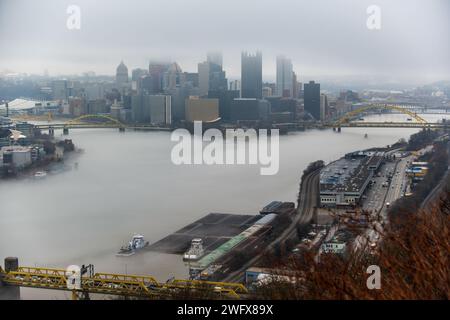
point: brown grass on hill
(413, 257)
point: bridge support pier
(10, 292)
(121, 129)
(65, 131)
(51, 132)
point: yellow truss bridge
(350, 115)
(81, 121)
(146, 287)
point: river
(125, 183)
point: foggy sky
(322, 37)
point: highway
(308, 200)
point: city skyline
(321, 39)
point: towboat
(196, 250)
(40, 175)
(137, 243)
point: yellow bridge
(345, 119)
(146, 287)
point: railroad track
(308, 200)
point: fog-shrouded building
(60, 89)
(211, 77)
(121, 74)
(136, 74)
(312, 99)
(160, 109)
(97, 106)
(215, 57)
(173, 77)
(77, 107)
(251, 75)
(156, 71)
(284, 77)
(202, 109)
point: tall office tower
(140, 106)
(284, 77)
(122, 74)
(173, 77)
(211, 77)
(251, 75)
(156, 71)
(217, 78)
(160, 109)
(323, 107)
(312, 99)
(215, 57)
(203, 77)
(295, 88)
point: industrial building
(343, 182)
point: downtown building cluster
(163, 94)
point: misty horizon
(325, 39)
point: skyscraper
(323, 107)
(312, 99)
(251, 75)
(203, 77)
(122, 74)
(284, 77)
(173, 77)
(211, 77)
(215, 57)
(156, 71)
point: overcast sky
(324, 38)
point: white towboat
(196, 250)
(40, 174)
(137, 243)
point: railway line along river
(126, 183)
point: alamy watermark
(74, 19)
(374, 19)
(263, 147)
(374, 280)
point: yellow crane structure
(146, 287)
